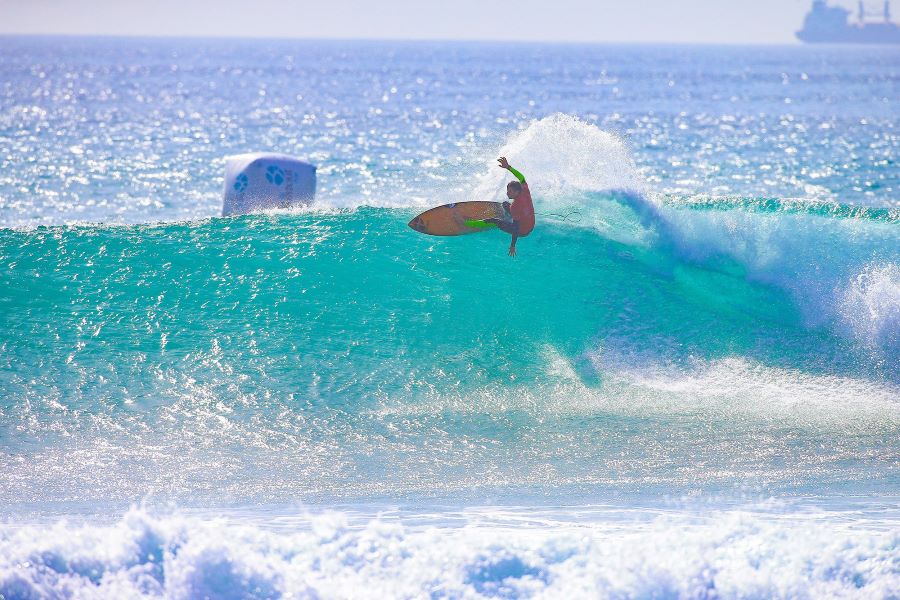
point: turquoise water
(356, 346)
(685, 384)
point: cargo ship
(826, 24)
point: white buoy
(261, 181)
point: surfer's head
(513, 189)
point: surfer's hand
(504, 164)
(512, 249)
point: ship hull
(870, 34)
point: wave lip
(726, 554)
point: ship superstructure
(826, 24)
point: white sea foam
(719, 554)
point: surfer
(521, 210)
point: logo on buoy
(274, 174)
(241, 182)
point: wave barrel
(261, 181)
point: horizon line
(579, 42)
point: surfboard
(458, 218)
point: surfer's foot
(478, 224)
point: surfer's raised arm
(504, 164)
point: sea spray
(560, 156)
(871, 305)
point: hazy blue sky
(723, 21)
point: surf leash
(571, 216)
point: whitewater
(685, 385)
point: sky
(680, 21)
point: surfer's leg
(493, 221)
(510, 227)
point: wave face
(338, 353)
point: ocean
(686, 384)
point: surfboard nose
(418, 224)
